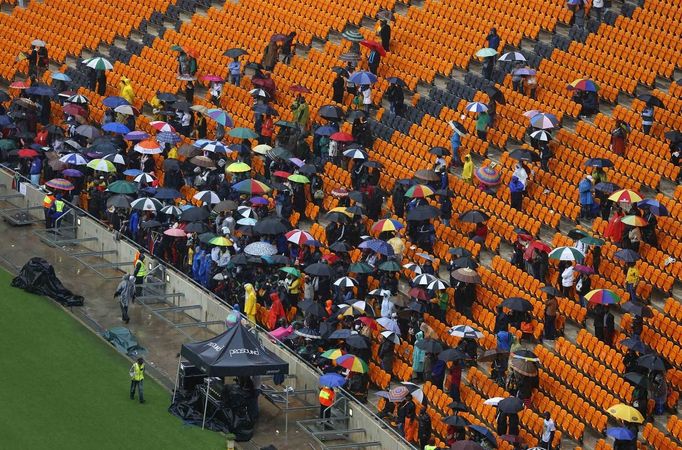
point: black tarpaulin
(38, 277)
(236, 352)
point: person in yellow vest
(137, 380)
(140, 272)
(326, 398)
(57, 209)
(48, 200)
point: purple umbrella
(297, 162)
(378, 246)
(258, 201)
(72, 173)
(136, 136)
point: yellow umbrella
(221, 241)
(238, 167)
(262, 149)
(626, 413)
(342, 210)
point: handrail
(385, 425)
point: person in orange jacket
(411, 428)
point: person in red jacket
(276, 311)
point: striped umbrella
(212, 146)
(634, 221)
(512, 57)
(465, 331)
(144, 178)
(541, 135)
(148, 147)
(387, 225)
(168, 137)
(423, 280)
(102, 165)
(567, 254)
(299, 237)
(602, 297)
(625, 196)
(78, 99)
(352, 363)
(147, 204)
(332, 354)
(654, 206)
(114, 158)
(160, 125)
(171, 210)
(476, 107)
(544, 121)
(419, 191)
(355, 153)
(346, 282)
(251, 187)
(209, 197)
(60, 184)
(488, 176)
(127, 110)
(98, 63)
(74, 158)
(583, 84)
(220, 116)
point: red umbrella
(281, 174)
(341, 136)
(74, 110)
(20, 85)
(211, 77)
(300, 89)
(539, 245)
(27, 153)
(418, 293)
(331, 258)
(374, 45)
(371, 323)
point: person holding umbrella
(373, 60)
(270, 55)
(235, 70)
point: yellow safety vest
(59, 206)
(143, 269)
(47, 201)
(137, 372)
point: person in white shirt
(366, 97)
(567, 280)
(548, 430)
(598, 8)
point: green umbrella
(98, 63)
(7, 144)
(243, 133)
(291, 271)
(296, 178)
(360, 267)
(176, 48)
(389, 266)
(287, 124)
(589, 240)
(206, 237)
(122, 187)
(486, 52)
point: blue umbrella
(114, 101)
(486, 433)
(41, 90)
(332, 380)
(261, 108)
(167, 193)
(132, 172)
(627, 255)
(634, 344)
(656, 207)
(61, 77)
(168, 137)
(362, 77)
(116, 127)
(5, 121)
(620, 433)
(378, 246)
(325, 131)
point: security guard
(48, 200)
(139, 273)
(137, 379)
(57, 209)
(326, 398)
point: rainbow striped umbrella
(251, 187)
(387, 225)
(544, 121)
(602, 297)
(634, 221)
(625, 196)
(487, 175)
(60, 184)
(583, 84)
(419, 191)
(352, 363)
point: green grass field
(61, 387)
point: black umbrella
(523, 154)
(331, 112)
(651, 100)
(635, 344)
(455, 421)
(492, 355)
(439, 151)
(517, 304)
(167, 193)
(458, 406)
(339, 70)
(551, 290)
(312, 307)
(357, 341)
(254, 65)
(41, 90)
(473, 216)
(494, 94)
(459, 252)
(356, 196)
(452, 354)
(483, 431)
(576, 233)
(373, 164)
(319, 270)
(423, 212)
(166, 97)
(627, 255)
(598, 162)
(355, 114)
(637, 379)
(637, 309)
(343, 333)
(235, 52)
(651, 362)
(526, 355)
(510, 405)
(429, 345)
(672, 136)
(397, 81)
(307, 169)
(151, 224)
(606, 187)
(196, 227)
(193, 214)
(464, 261)
(270, 226)
(119, 201)
(417, 307)
(355, 210)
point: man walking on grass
(137, 379)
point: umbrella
(122, 187)
(386, 225)
(620, 433)
(584, 269)
(427, 175)
(436, 285)
(510, 405)
(672, 136)
(627, 255)
(583, 84)
(598, 162)
(119, 201)
(634, 221)
(527, 368)
(41, 90)
(332, 380)
(541, 135)
(292, 271)
(589, 240)
(423, 279)
(72, 173)
(544, 121)
(465, 275)
(194, 214)
(270, 226)
(235, 52)
(606, 187)
(146, 204)
(331, 112)
(523, 154)
(634, 344)
(127, 110)
(144, 178)
(652, 362)
(167, 194)
(485, 433)
(136, 136)
(637, 379)
(452, 354)
(567, 254)
(512, 57)
(465, 331)
(260, 249)
(299, 89)
(488, 175)
(148, 147)
(651, 100)
(352, 363)
(362, 77)
(352, 35)
(455, 421)
(160, 125)
(307, 333)
(517, 304)
(88, 131)
(102, 165)
(171, 210)
(297, 178)
(224, 206)
(476, 107)
(625, 196)
(115, 158)
(439, 151)
(168, 137)
(389, 266)
(526, 355)
(114, 101)
(98, 63)
(319, 270)
(486, 52)
(243, 133)
(355, 153)
(251, 187)
(345, 282)
(423, 212)
(359, 267)
(419, 191)
(212, 146)
(341, 136)
(377, 246)
(492, 355)
(175, 232)
(473, 216)
(298, 237)
(626, 413)
(60, 184)
(373, 45)
(350, 57)
(325, 130)
(493, 401)
(654, 206)
(221, 241)
(602, 297)
(390, 325)
(268, 110)
(75, 159)
(115, 127)
(388, 334)
(636, 308)
(208, 197)
(38, 43)
(262, 149)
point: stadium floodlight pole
(208, 388)
(177, 377)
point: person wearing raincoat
(127, 91)
(125, 293)
(250, 302)
(468, 170)
(418, 356)
(196, 263)
(276, 311)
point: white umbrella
(465, 331)
(541, 135)
(98, 63)
(171, 210)
(390, 325)
(114, 158)
(247, 221)
(143, 178)
(345, 282)
(146, 204)
(512, 57)
(391, 336)
(209, 197)
(412, 267)
(437, 285)
(74, 158)
(493, 401)
(260, 249)
(247, 212)
(423, 280)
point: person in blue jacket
(586, 199)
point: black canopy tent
(236, 352)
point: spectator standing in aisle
(235, 69)
(125, 293)
(373, 60)
(288, 48)
(647, 118)
(548, 432)
(385, 34)
(493, 39)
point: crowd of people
(229, 212)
